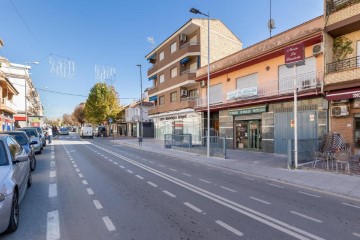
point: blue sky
(114, 33)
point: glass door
(254, 134)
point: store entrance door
(254, 134)
(248, 134)
(357, 136)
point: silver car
(34, 135)
(15, 178)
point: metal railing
(7, 103)
(196, 144)
(185, 45)
(188, 71)
(306, 149)
(336, 5)
(342, 65)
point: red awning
(343, 94)
(20, 118)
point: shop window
(173, 97)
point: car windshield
(20, 138)
(63, 129)
(30, 132)
(3, 159)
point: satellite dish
(271, 24)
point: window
(3, 157)
(173, 47)
(14, 147)
(193, 94)
(216, 93)
(161, 100)
(161, 56)
(173, 97)
(161, 78)
(173, 72)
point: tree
(79, 114)
(67, 119)
(101, 104)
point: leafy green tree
(101, 104)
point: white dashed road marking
(174, 170)
(97, 204)
(307, 217)
(229, 189)
(203, 180)
(309, 194)
(356, 234)
(196, 209)
(109, 225)
(84, 182)
(52, 190)
(80, 175)
(351, 205)
(169, 194)
(90, 191)
(274, 185)
(140, 177)
(152, 184)
(259, 200)
(251, 179)
(187, 174)
(52, 174)
(129, 171)
(228, 227)
(52, 228)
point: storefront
(180, 122)
(247, 127)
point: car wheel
(14, 217)
(29, 183)
(33, 165)
(39, 152)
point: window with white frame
(161, 78)
(173, 72)
(173, 97)
(215, 94)
(173, 47)
(161, 56)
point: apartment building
(342, 58)
(252, 92)
(133, 118)
(174, 64)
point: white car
(87, 131)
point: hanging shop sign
(247, 111)
(173, 117)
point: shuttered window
(216, 93)
(173, 47)
(161, 78)
(161, 56)
(174, 72)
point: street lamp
(141, 107)
(196, 11)
(25, 70)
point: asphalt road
(98, 189)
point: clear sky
(114, 34)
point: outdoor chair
(317, 157)
(343, 158)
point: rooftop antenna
(271, 23)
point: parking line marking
(129, 171)
(90, 191)
(80, 175)
(52, 226)
(52, 174)
(309, 194)
(203, 180)
(229, 189)
(274, 185)
(152, 184)
(140, 177)
(307, 217)
(351, 205)
(196, 209)
(186, 174)
(97, 204)
(109, 225)
(52, 190)
(259, 200)
(230, 228)
(84, 182)
(169, 194)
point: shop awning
(343, 94)
(184, 60)
(152, 77)
(20, 118)
(153, 98)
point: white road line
(259, 200)
(203, 180)
(151, 161)
(230, 228)
(97, 204)
(52, 164)
(152, 184)
(274, 185)
(129, 171)
(140, 177)
(52, 227)
(307, 217)
(251, 179)
(309, 194)
(186, 174)
(52, 174)
(84, 182)
(229, 189)
(106, 157)
(109, 225)
(80, 175)
(161, 165)
(90, 191)
(169, 194)
(174, 170)
(116, 163)
(52, 190)
(77, 170)
(75, 166)
(122, 167)
(356, 234)
(225, 172)
(52, 157)
(351, 205)
(196, 209)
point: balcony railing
(185, 45)
(342, 65)
(188, 71)
(306, 81)
(8, 104)
(336, 5)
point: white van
(87, 131)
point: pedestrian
(50, 134)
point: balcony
(174, 106)
(336, 5)
(7, 106)
(342, 65)
(268, 89)
(184, 80)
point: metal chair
(317, 157)
(343, 158)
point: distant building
(133, 120)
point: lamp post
(25, 70)
(141, 107)
(196, 11)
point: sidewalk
(264, 165)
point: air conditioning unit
(317, 49)
(183, 93)
(183, 38)
(340, 111)
(203, 83)
(306, 83)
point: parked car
(87, 131)
(34, 135)
(26, 143)
(101, 132)
(64, 131)
(41, 136)
(15, 178)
